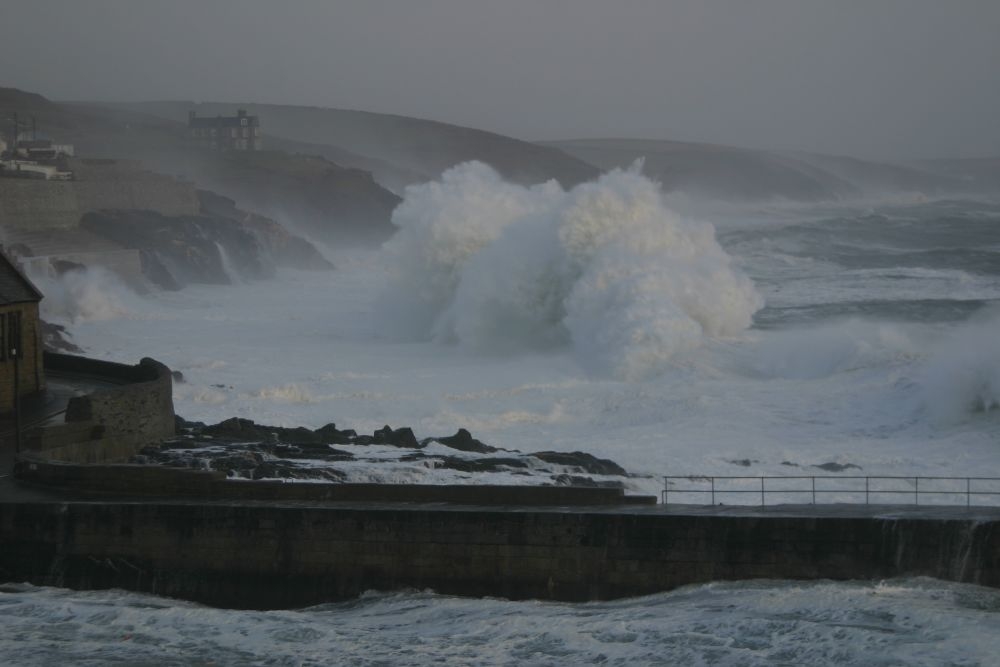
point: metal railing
(831, 488)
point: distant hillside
(739, 174)
(975, 173)
(398, 150)
(310, 192)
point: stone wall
(267, 556)
(38, 204)
(109, 424)
(184, 483)
(101, 184)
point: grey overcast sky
(875, 78)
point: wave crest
(605, 268)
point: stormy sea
(673, 336)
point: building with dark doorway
(21, 372)
(225, 133)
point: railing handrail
(868, 489)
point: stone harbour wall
(287, 555)
(38, 204)
(109, 424)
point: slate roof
(14, 285)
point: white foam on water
(745, 624)
(962, 376)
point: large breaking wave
(604, 268)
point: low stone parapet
(179, 483)
(112, 423)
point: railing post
(916, 490)
(866, 489)
(666, 489)
(761, 490)
(814, 489)
(968, 492)
(713, 489)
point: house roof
(14, 285)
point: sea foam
(962, 374)
(605, 269)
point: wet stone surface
(244, 449)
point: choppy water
(902, 622)
(876, 346)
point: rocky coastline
(246, 450)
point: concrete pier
(282, 554)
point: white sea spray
(83, 295)
(962, 375)
(604, 268)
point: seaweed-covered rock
(586, 462)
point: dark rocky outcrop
(400, 437)
(585, 462)
(283, 247)
(177, 250)
(55, 338)
(307, 193)
(243, 448)
(463, 441)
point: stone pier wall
(285, 555)
(109, 424)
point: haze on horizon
(894, 79)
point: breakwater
(271, 555)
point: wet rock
(400, 437)
(184, 249)
(476, 465)
(832, 466)
(319, 452)
(182, 425)
(577, 480)
(331, 435)
(237, 429)
(289, 470)
(463, 441)
(55, 338)
(241, 462)
(586, 462)
(177, 377)
(285, 248)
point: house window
(243, 121)
(13, 343)
(256, 132)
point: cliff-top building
(20, 336)
(225, 133)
